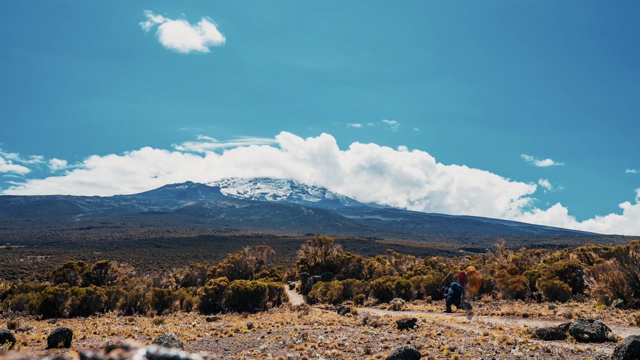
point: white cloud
(631, 171)
(354, 125)
(545, 184)
(181, 36)
(206, 143)
(394, 125)
(410, 179)
(540, 162)
(7, 166)
(15, 157)
(57, 164)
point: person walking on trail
(454, 295)
(467, 280)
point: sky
(518, 110)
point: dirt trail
(294, 297)
(623, 331)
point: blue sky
(524, 110)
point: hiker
(454, 295)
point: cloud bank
(403, 178)
(181, 36)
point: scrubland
(238, 307)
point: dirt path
(294, 297)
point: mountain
(283, 191)
(264, 205)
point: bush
(161, 300)
(69, 273)
(326, 293)
(388, 287)
(276, 294)
(85, 301)
(512, 286)
(246, 295)
(352, 288)
(53, 302)
(211, 296)
(424, 286)
(99, 274)
(554, 290)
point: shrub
(276, 294)
(99, 274)
(388, 287)
(554, 290)
(246, 295)
(427, 286)
(52, 302)
(570, 272)
(161, 300)
(352, 288)
(512, 286)
(326, 293)
(211, 296)
(69, 273)
(85, 301)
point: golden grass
(303, 332)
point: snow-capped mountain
(267, 205)
(282, 190)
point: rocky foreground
(504, 330)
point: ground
(496, 330)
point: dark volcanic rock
(343, 309)
(552, 332)
(629, 349)
(168, 341)
(590, 330)
(404, 352)
(406, 323)
(6, 339)
(60, 337)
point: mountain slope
(268, 206)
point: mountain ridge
(271, 206)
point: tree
(319, 255)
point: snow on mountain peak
(281, 190)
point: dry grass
(302, 332)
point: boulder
(629, 349)
(7, 340)
(617, 303)
(168, 341)
(404, 352)
(60, 337)
(552, 332)
(406, 323)
(590, 330)
(343, 309)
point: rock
(590, 330)
(343, 309)
(406, 323)
(168, 341)
(404, 352)
(617, 303)
(7, 340)
(629, 349)
(552, 307)
(552, 333)
(60, 337)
